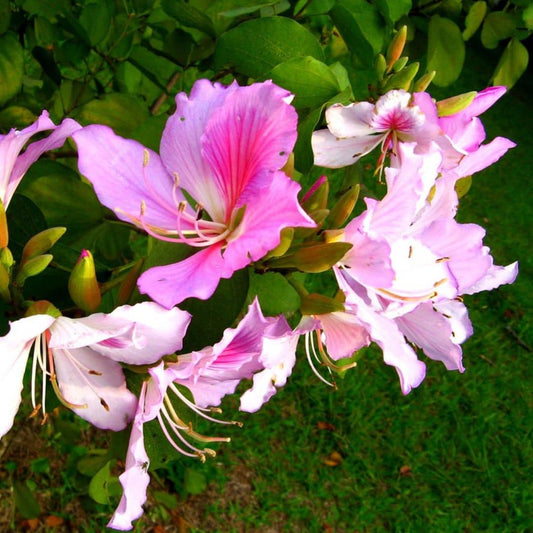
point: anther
(146, 158)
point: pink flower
(356, 129)
(80, 358)
(224, 147)
(13, 166)
(209, 374)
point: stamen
(442, 260)
(310, 349)
(409, 298)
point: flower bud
(317, 196)
(42, 307)
(41, 243)
(317, 304)
(314, 258)
(4, 284)
(400, 64)
(32, 267)
(395, 50)
(380, 66)
(453, 105)
(423, 83)
(82, 284)
(402, 79)
(288, 168)
(343, 208)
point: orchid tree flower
(356, 129)
(464, 153)
(209, 374)
(81, 359)
(13, 164)
(217, 184)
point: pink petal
(483, 157)
(14, 349)
(278, 358)
(268, 210)
(197, 276)
(88, 379)
(344, 334)
(384, 332)
(433, 333)
(55, 140)
(181, 143)
(152, 332)
(116, 168)
(250, 135)
(10, 146)
(494, 277)
(135, 478)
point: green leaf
(446, 50)
(276, 295)
(11, 67)
(194, 482)
(96, 20)
(310, 80)
(527, 17)
(255, 47)
(168, 500)
(245, 7)
(512, 64)
(474, 18)
(104, 485)
(362, 28)
(91, 463)
(189, 16)
(394, 10)
(25, 501)
(122, 112)
(306, 8)
(16, 117)
(497, 26)
(5, 15)
(303, 152)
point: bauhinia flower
(80, 358)
(209, 374)
(356, 129)
(13, 164)
(222, 150)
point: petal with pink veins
(124, 179)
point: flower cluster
(222, 184)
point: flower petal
(250, 135)
(123, 179)
(181, 146)
(335, 152)
(55, 140)
(267, 211)
(97, 385)
(350, 121)
(15, 348)
(135, 478)
(138, 334)
(197, 276)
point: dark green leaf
(5, 16)
(16, 117)
(276, 295)
(170, 501)
(96, 20)
(189, 16)
(394, 10)
(361, 26)
(303, 152)
(255, 47)
(122, 112)
(446, 50)
(45, 58)
(11, 67)
(306, 8)
(25, 501)
(310, 80)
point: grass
(456, 455)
